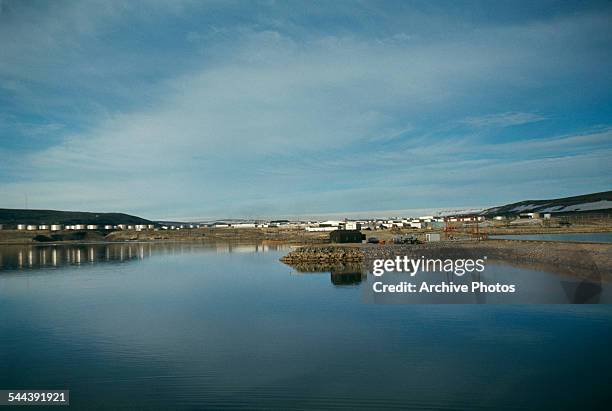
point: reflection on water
(339, 274)
(39, 256)
(346, 277)
(205, 326)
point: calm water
(583, 237)
(209, 327)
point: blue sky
(258, 109)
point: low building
(346, 236)
(21, 226)
(352, 225)
(243, 225)
(31, 227)
(56, 227)
(529, 215)
(331, 223)
(92, 227)
(430, 237)
(321, 229)
(108, 227)
(79, 226)
(43, 227)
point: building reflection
(346, 276)
(339, 275)
(55, 255)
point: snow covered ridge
(596, 205)
(583, 203)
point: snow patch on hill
(596, 205)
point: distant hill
(9, 216)
(596, 202)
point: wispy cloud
(503, 119)
(220, 111)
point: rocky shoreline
(324, 255)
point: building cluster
(424, 222)
(61, 227)
(239, 224)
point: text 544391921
(34, 397)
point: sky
(259, 109)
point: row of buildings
(431, 222)
(61, 227)
(423, 222)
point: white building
(79, 226)
(244, 225)
(92, 227)
(43, 227)
(352, 225)
(21, 226)
(322, 229)
(432, 237)
(56, 227)
(30, 227)
(329, 225)
(529, 215)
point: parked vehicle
(405, 239)
(373, 240)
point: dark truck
(405, 239)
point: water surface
(192, 326)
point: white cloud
(503, 119)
